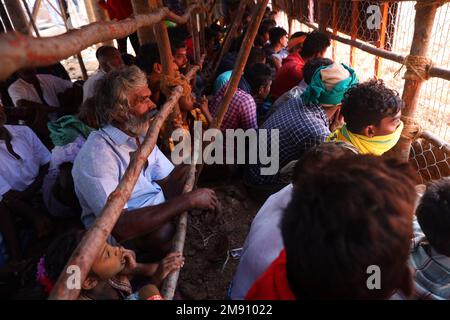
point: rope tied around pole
(417, 68)
(412, 130)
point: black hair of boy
(315, 43)
(275, 34)
(368, 103)
(259, 75)
(353, 213)
(433, 215)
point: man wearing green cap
(303, 123)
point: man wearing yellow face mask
(372, 115)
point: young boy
(372, 115)
(108, 278)
(344, 222)
(430, 250)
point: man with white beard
(123, 109)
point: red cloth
(117, 9)
(289, 75)
(273, 283)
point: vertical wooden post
(145, 34)
(96, 13)
(69, 27)
(382, 39)
(5, 18)
(34, 13)
(335, 27)
(354, 30)
(17, 15)
(423, 26)
(195, 29)
(30, 16)
(230, 35)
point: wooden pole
(19, 51)
(323, 14)
(382, 40)
(145, 33)
(5, 18)
(97, 14)
(68, 26)
(34, 13)
(335, 27)
(354, 31)
(230, 36)
(17, 15)
(30, 16)
(179, 239)
(423, 25)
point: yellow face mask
(365, 145)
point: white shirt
(263, 244)
(100, 165)
(19, 174)
(51, 87)
(89, 85)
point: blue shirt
(100, 165)
(225, 77)
(301, 127)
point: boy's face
(387, 125)
(180, 57)
(264, 91)
(109, 262)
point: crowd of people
(336, 207)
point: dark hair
(352, 213)
(315, 43)
(263, 29)
(258, 75)
(312, 65)
(178, 33)
(104, 51)
(368, 103)
(148, 55)
(299, 34)
(275, 34)
(319, 156)
(433, 215)
(59, 252)
(256, 55)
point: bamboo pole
(145, 33)
(433, 72)
(230, 36)
(68, 26)
(423, 25)
(19, 51)
(5, 18)
(382, 40)
(335, 28)
(34, 13)
(436, 141)
(354, 31)
(179, 239)
(323, 14)
(86, 252)
(97, 14)
(17, 15)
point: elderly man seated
(123, 109)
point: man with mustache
(123, 109)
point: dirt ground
(209, 266)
